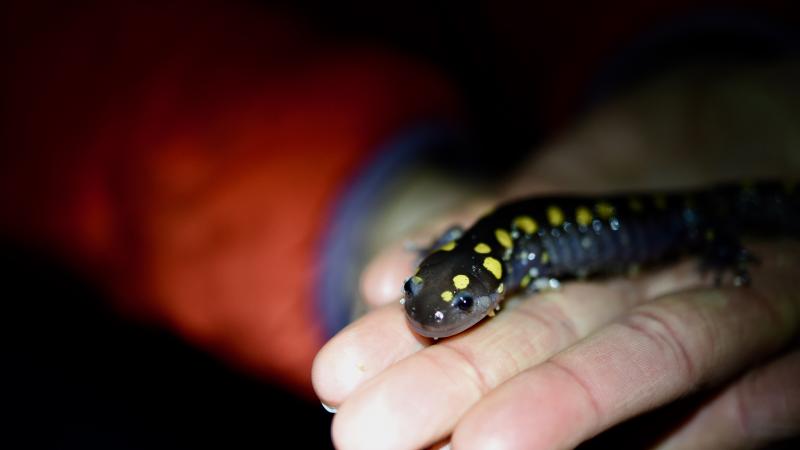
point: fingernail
(330, 409)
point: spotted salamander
(535, 243)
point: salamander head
(451, 292)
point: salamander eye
(407, 288)
(412, 286)
(464, 302)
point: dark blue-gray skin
(535, 243)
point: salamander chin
(436, 333)
(438, 319)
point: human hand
(555, 369)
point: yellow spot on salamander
(526, 280)
(416, 280)
(660, 201)
(545, 257)
(555, 216)
(503, 237)
(604, 210)
(449, 246)
(482, 248)
(501, 288)
(494, 266)
(447, 296)
(635, 204)
(460, 281)
(526, 224)
(583, 216)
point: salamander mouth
(440, 331)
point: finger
(382, 280)
(360, 351)
(428, 391)
(652, 355)
(761, 408)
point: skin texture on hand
(653, 354)
(557, 368)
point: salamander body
(535, 243)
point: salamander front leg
(533, 285)
(450, 235)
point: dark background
(527, 69)
(77, 375)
